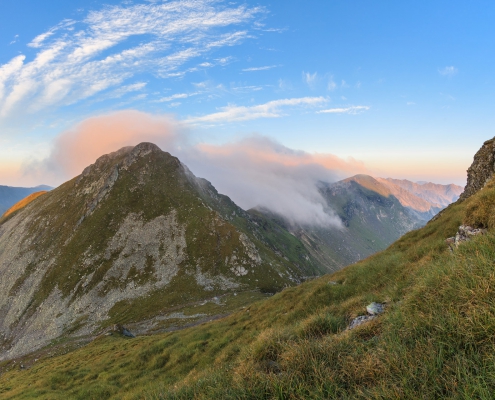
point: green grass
(435, 339)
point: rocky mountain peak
(136, 238)
(481, 170)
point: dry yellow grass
(24, 202)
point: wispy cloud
(331, 84)
(262, 27)
(266, 67)
(134, 87)
(310, 78)
(272, 109)
(448, 71)
(345, 110)
(176, 97)
(16, 37)
(78, 59)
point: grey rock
(123, 330)
(360, 320)
(375, 308)
(464, 234)
(481, 170)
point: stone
(464, 234)
(375, 308)
(360, 320)
(123, 330)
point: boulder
(375, 308)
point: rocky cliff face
(481, 170)
(133, 238)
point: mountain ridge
(132, 231)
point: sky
(319, 89)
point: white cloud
(331, 84)
(310, 79)
(38, 40)
(345, 110)
(284, 85)
(448, 71)
(246, 89)
(8, 70)
(78, 59)
(225, 60)
(272, 109)
(266, 67)
(176, 96)
(15, 39)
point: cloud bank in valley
(254, 171)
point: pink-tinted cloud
(81, 145)
(255, 171)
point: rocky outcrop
(481, 170)
(464, 234)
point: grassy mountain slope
(435, 339)
(136, 239)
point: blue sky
(406, 88)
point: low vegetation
(435, 339)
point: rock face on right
(481, 170)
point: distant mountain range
(374, 213)
(10, 195)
